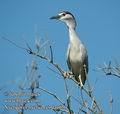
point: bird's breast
(77, 53)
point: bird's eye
(64, 14)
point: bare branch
(55, 96)
(13, 43)
(111, 104)
(110, 69)
(68, 97)
(51, 53)
(107, 69)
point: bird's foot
(81, 86)
(68, 74)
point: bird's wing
(84, 70)
(68, 58)
(86, 63)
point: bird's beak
(55, 17)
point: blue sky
(98, 26)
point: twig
(111, 104)
(55, 96)
(89, 93)
(54, 71)
(13, 43)
(110, 70)
(48, 60)
(68, 97)
(51, 53)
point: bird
(77, 57)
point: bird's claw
(68, 74)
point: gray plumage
(77, 58)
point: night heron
(77, 58)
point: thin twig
(13, 43)
(111, 104)
(51, 53)
(55, 96)
(54, 71)
(68, 97)
(110, 70)
(89, 93)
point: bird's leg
(68, 74)
(81, 84)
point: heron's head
(67, 18)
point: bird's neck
(73, 36)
